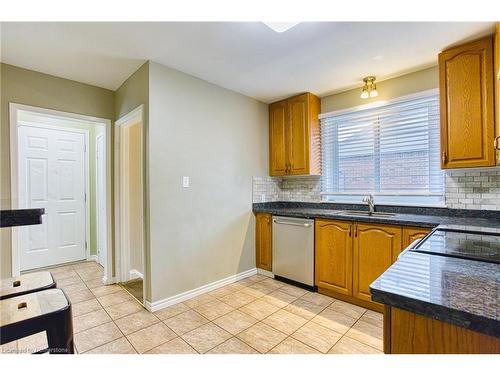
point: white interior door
(101, 200)
(52, 176)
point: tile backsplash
(266, 189)
(301, 189)
(298, 189)
(469, 189)
(474, 189)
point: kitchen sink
(366, 213)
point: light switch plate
(185, 181)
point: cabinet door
(467, 112)
(410, 234)
(298, 131)
(374, 246)
(263, 241)
(333, 255)
(278, 139)
(497, 90)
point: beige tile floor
(254, 315)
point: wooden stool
(24, 284)
(48, 310)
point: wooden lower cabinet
(333, 255)
(349, 256)
(410, 234)
(374, 246)
(409, 333)
(263, 241)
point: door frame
(122, 259)
(14, 108)
(103, 251)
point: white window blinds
(391, 151)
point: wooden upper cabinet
(298, 132)
(374, 246)
(263, 241)
(294, 136)
(497, 91)
(333, 255)
(277, 138)
(467, 105)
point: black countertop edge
(405, 210)
(394, 220)
(407, 216)
(27, 216)
(459, 318)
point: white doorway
(51, 169)
(53, 174)
(129, 178)
(101, 200)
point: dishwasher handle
(306, 225)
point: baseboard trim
(92, 258)
(134, 274)
(161, 304)
(108, 280)
(260, 271)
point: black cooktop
(462, 244)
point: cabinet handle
(355, 230)
(495, 143)
(444, 157)
(350, 230)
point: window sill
(390, 204)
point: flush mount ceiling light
(280, 27)
(369, 88)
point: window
(391, 151)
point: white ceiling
(249, 58)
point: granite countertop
(411, 216)
(27, 216)
(458, 291)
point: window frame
(407, 198)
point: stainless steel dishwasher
(293, 249)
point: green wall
(131, 94)
(24, 86)
(220, 139)
(407, 84)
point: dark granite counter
(14, 218)
(458, 291)
(411, 216)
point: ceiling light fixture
(369, 88)
(280, 27)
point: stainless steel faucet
(371, 204)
